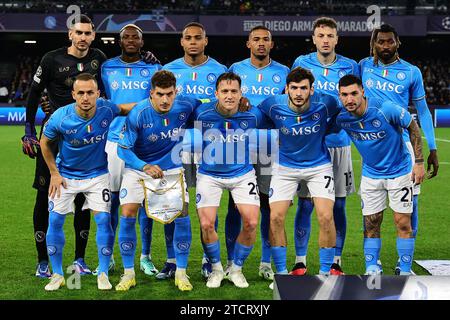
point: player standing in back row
(56, 72)
(196, 75)
(327, 68)
(384, 75)
(261, 77)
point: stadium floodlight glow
(30, 41)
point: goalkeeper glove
(30, 143)
(149, 58)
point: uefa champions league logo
(153, 137)
(114, 85)
(446, 23)
(369, 83)
(284, 130)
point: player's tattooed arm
(372, 225)
(418, 172)
(416, 140)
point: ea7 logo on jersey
(71, 131)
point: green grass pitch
(18, 253)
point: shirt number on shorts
(329, 179)
(106, 195)
(254, 190)
(348, 178)
(407, 192)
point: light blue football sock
(105, 240)
(279, 259)
(340, 221)
(56, 241)
(127, 241)
(169, 230)
(372, 247)
(146, 228)
(405, 250)
(302, 226)
(326, 256)
(182, 241)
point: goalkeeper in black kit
(56, 73)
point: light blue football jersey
(399, 82)
(327, 79)
(196, 81)
(226, 140)
(156, 138)
(378, 137)
(260, 83)
(126, 83)
(302, 135)
(81, 142)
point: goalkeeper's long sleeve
(32, 104)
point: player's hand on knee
(244, 104)
(56, 181)
(149, 58)
(418, 173)
(30, 143)
(45, 105)
(153, 171)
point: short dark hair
(85, 77)
(298, 74)
(228, 76)
(260, 27)
(350, 79)
(194, 24)
(324, 21)
(82, 18)
(163, 79)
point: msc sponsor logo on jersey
(195, 89)
(384, 86)
(368, 136)
(211, 78)
(326, 85)
(261, 90)
(95, 139)
(301, 131)
(130, 85)
(229, 138)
